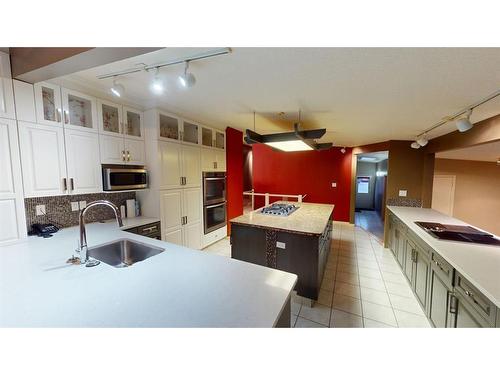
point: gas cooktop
(279, 209)
(461, 233)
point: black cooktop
(461, 233)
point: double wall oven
(214, 200)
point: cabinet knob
(128, 155)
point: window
(363, 185)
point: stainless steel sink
(124, 252)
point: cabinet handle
(453, 303)
(123, 155)
(181, 180)
(58, 114)
(128, 155)
(72, 184)
(439, 265)
(66, 117)
(65, 184)
(471, 295)
(186, 220)
(185, 180)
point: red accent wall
(305, 172)
(234, 164)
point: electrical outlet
(74, 206)
(334, 184)
(40, 209)
(402, 193)
(280, 245)
(82, 204)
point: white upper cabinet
(190, 133)
(213, 138)
(220, 140)
(170, 165)
(110, 117)
(112, 149)
(82, 158)
(133, 123)
(134, 151)
(43, 159)
(24, 96)
(79, 110)
(169, 127)
(191, 169)
(7, 108)
(213, 160)
(48, 104)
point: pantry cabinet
(179, 165)
(7, 108)
(12, 216)
(181, 216)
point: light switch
(280, 245)
(40, 209)
(334, 184)
(402, 193)
(74, 206)
(82, 204)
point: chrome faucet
(82, 248)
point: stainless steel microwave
(124, 177)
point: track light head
(422, 141)
(464, 123)
(157, 85)
(415, 145)
(187, 80)
(117, 89)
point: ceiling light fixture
(187, 80)
(464, 123)
(415, 145)
(342, 150)
(157, 85)
(117, 89)
(422, 140)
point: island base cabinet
(439, 302)
(420, 278)
(465, 316)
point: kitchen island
(298, 243)
(179, 287)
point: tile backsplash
(405, 202)
(58, 208)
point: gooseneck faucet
(84, 254)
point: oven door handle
(216, 205)
(214, 178)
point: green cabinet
(416, 269)
(440, 292)
(464, 315)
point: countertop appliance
(214, 201)
(124, 177)
(279, 209)
(152, 230)
(461, 233)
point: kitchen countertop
(480, 264)
(310, 218)
(180, 287)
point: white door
(191, 166)
(192, 235)
(82, 158)
(220, 160)
(48, 104)
(208, 159)
(112, 149)
(133, 123)
(109, 117)
(7, 108)
(443, 194)
(43, 159)
(79, 110)
(174, 236)
(171, 210)
(170, 165)
(12, 218)
(134, 150)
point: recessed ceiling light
(117, 89)
(367, 158)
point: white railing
(266, 196)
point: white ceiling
(485, 152)
(361, 95)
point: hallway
(371, 222)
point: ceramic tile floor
(363, 286)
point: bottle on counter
(137, 208)
(123, 211)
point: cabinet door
(171, 210)
(12, 219)
(112, 149)
(82, 158)
(220, 140)
(190, 133)
(207, 137)
(24, 96)
(7, 108)
(420, 277)
(191, 204)
(169, 127)
(48, 104)
(109, 116)
(408, 264)
(170, 165)
(208, 159)
(134, 150)
(175, 236)
(220, 160)
(465, 318)
(43, 159)
(133, 123)
(191, 166)
(192, 235)
(79, 110)
(438, 302)
(401, 247)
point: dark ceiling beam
(42, 63)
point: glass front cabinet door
(109, 115)
(190, 133)
(207, 137)
(133, 123)
(219, 140)
(169, 127)
(48, 104)
(79, 110)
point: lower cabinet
(181, 216)
(464, 316)
(416, 268)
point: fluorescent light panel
(288, 146)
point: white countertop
(180, 287)
(309, 218)
(480, 264)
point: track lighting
(187, 80)
(464, 123)
(422, 141)
(157, 85)
(117, 89)
(415, 145)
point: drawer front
(443, 269)
(149, 229)
(476, 299)
(423, 247)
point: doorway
(370, 193)
(443, 194)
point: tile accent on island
(58, 208)
(271, 248)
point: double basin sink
(124, 252)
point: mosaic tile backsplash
(58, 208)
(404, 202)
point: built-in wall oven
(214, 201)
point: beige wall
(477, 191)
